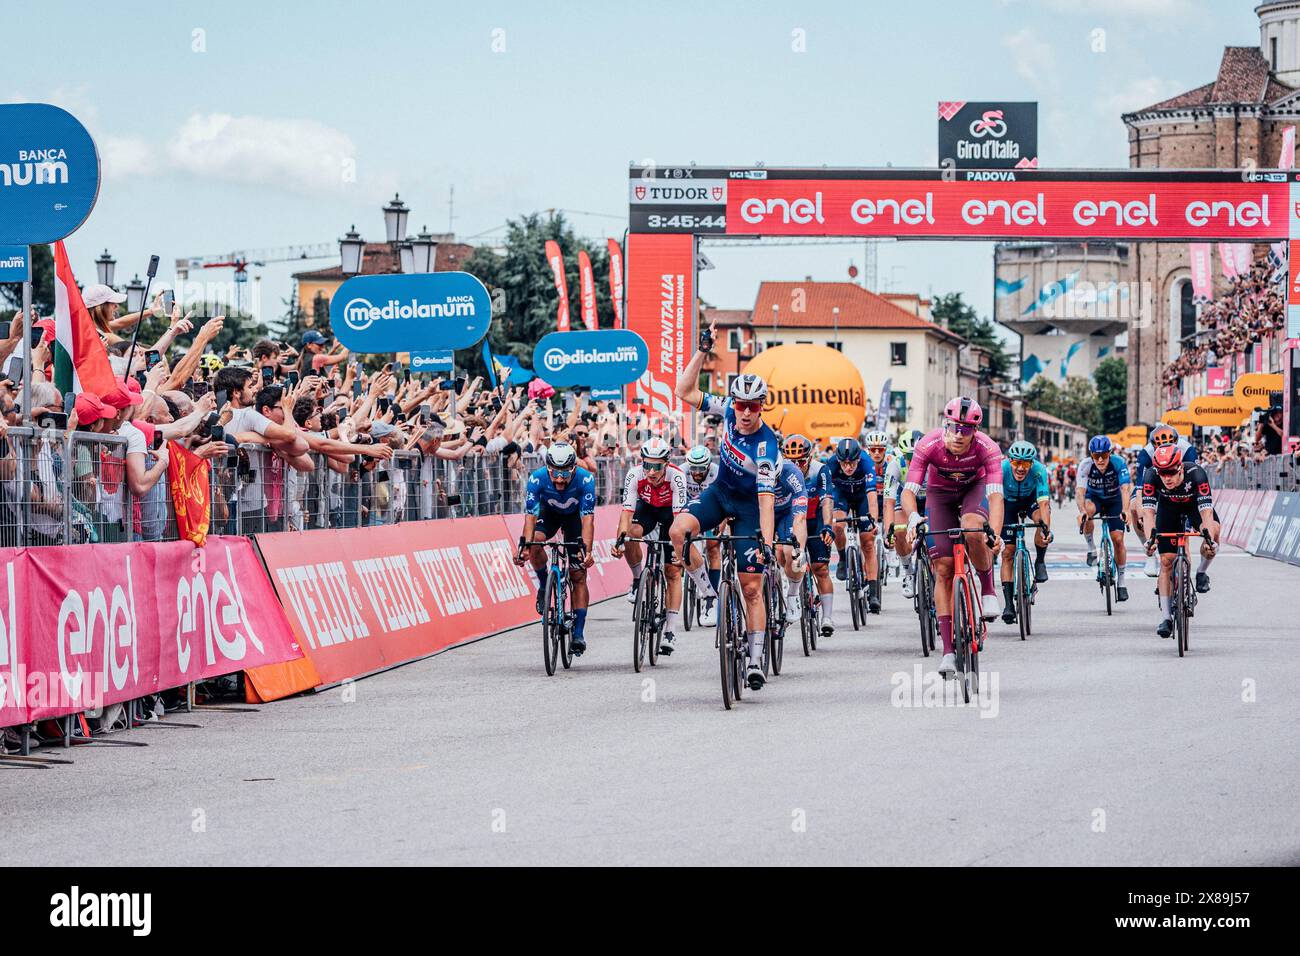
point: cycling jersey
(855, 485)
(747, 464)
(791, 494)
(670, 492)
(942, 471)
(1033, 487)
(817, 484)
(577, 497)
(695, 488)
(1104, 485)
(1179, 506)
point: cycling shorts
(1172, 518)
(944, 509)
(651, 518)
(1107, 506)
(715, 506)
(1018, 510)
(550, 521)
(818, 552)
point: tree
(1112, 392)
(524, 274)
(1076, 402)
(952, 311)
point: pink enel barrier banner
(89, 625)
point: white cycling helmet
(876, 439)
(748, 388)
(561, 456)
(655, 449)
(699, 457)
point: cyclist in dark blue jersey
(743, 492)
(853, 486)
(561, 497)
(1104, 487)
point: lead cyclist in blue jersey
(744, 490)
(561, 497)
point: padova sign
(607, 357)
(427, 312)
(49, 174)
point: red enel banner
(362, 600)
(89, 625)
(661, 309)
(1030, 208)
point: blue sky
(229, 126)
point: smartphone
(448, 386)
(706, 340)
(222, 398)
(157, 438)
(426, 413)
(53, 420)
(139, 377)
(168, 301)
(356, 388)
(268, 375)
(293, 378)
(151, 358)
(384, 404)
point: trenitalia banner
(1195, 206)
(602, 358)
(84, 626)
(366, 599)
(616, 281)
(49, 174)
(661, 309)
(1202, 263)
(423, 312)
(556, 261)
(587, 291)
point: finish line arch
(672, 207)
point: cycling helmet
(748, 388)
(848, 449)
(655, 449)
(797, 448)
(699, 457)
(1022, 451)
(907, 442)
(964, 411)
(877, 439)
(561, 456)
(1168, 458)
(1099, 445)
(1163, 434)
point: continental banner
(361, 600)
(661, 309)
(85, 626)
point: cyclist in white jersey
(701, 471)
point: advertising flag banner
(189, 479)
(1202, 263)
(1228, 260)
(1242, 257)
(1216, 381)
(661, 309)
(15, 266)
(49, 174)
(587, 291)
(556, 261)
(616, 281)
(1287, 159)
(423, 312)
(886, 400)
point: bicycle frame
(1181, 591)
(648, 622)
(966, 612)
(1022, 575)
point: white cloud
(298, 154)
(1031, 57)
(1138, 93)
(124, 156)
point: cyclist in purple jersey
(960, 469)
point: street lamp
(424, 250)
(406, 257)
(351, 246)
(105, 265)
(395, 214)
(134, 295)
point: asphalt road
(1095, 744)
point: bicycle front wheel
(726, 645)
(688, 601)
(639, 629)
(1181, 586)
(550, 627)
(854, 582)
(1022, 592)
(655, 615)
(963, 633)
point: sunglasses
(751, 408)
(653, 465)
(1021, 462)
(957, 428)
(561, 472)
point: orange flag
(188, 476)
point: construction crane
(241, 259)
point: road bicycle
(923, 598)
(810, 612)
(557, 610)
(1182, 594)
(855, 575)
(649, 611)
(1025, 588)
(1107, 573)
(730, 637)
(968, 627)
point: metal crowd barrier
(1274, 473)
(73, 489)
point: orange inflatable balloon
(812, 390)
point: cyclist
(906, 445)
(1071, 478)
(654, 493)
(791, 509)
(1060, 482)
(853, 487)
(818, 524)
(962, 470)
(1024, 486)
(701, 471)
(888, 479)
(561, 497)
(1104, 488)
(744, 491)
(1159, 436)
(1176, 494)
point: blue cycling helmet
(1099, 445)
(1022, 451)
(848, 449)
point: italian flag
(83, 365)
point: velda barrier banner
(361, 600)
(84, 626)
(1280, 538)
